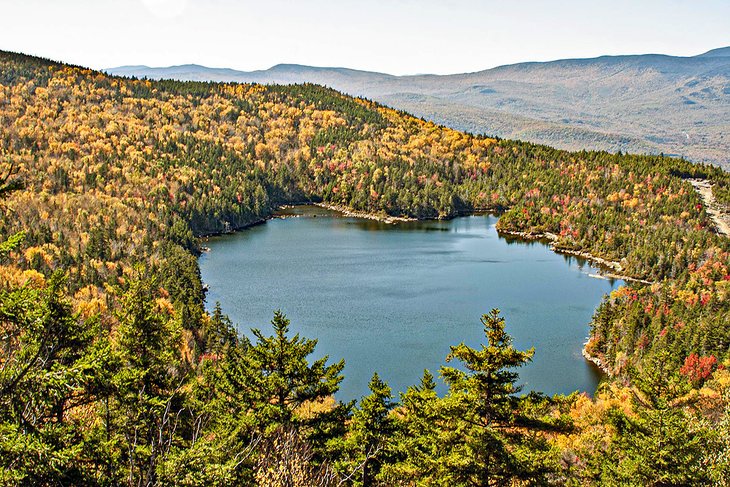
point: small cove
(391, 298)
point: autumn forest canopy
(113, 373)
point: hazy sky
(394, 36)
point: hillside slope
(112, 373)
(641, 104)
(150, 157)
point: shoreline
(233, 230)
(254, 223)
(595, 360)
(361, 214)
(552, 239)
(602, 264)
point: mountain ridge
(645, 103)
(717, 52)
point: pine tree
(658, 445)
(482, 408)
(368, 442)
(147, 382)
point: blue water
(392, 298)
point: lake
(392, 298)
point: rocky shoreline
(552, 239)
(361, 214)
(595, 360)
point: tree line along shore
(113, 373)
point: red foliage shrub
(697, 368)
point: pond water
(392, 298)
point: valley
(118, 368)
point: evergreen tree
(47, 372)
(368, 442)
(658, 445)
(148, 382)
(220, 333)
(269, 391)
(180, 276)
(280, 378)
(417, 440)
(482, 434)
(219, 450)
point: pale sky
(392, 36)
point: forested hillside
(112, 372)
(649, 103)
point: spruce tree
(269, 394)
(481, 437)
(275, 375)
(368, 443)
(147, 383)
(48, 368)
(417, 440)
(658, 445)
(219, 332)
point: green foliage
(50, 368)
(147, 383)
(483, 443)
(12, 243)
(180, 276)
(659, 445)
(280, 376)
(140, 386)
(367, 445)
(220, 333)
(418, 440)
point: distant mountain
(638, 103)
(719, 52)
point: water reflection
(393, 297)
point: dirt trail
(719, 215)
